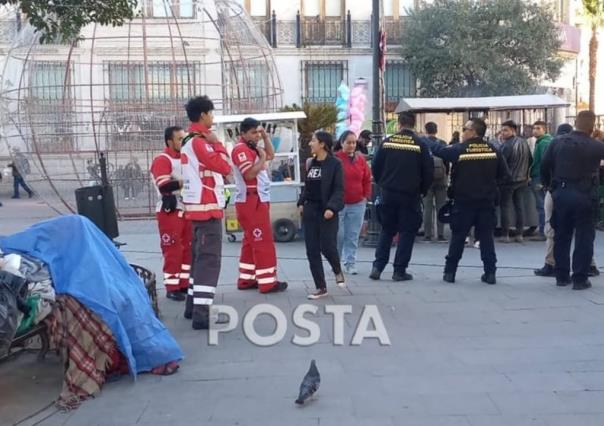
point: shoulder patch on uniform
(241, 156)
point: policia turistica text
(569, 169)
(478, 168)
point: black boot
(582, 285)
(563, 281)
(189, 307)
(175, 295)
(489, 278)
(279, 286)
(546, 271)
(449, 277)
(593, 271)
(401, 276)
(201, 317)
(375, 274)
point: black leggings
(320, 236)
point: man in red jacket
(258, 261)
(174, 230)
(205, 164)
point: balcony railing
(327, 31)
(394, 30)
(323, 31)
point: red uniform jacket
(212, 159)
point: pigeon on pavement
(310, 383)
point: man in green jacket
(543, 141)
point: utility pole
(373, 226)
(377, 125)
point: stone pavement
(522, 352)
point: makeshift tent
(85, 264)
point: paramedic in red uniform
(205, 163)
(174, 230)
(258, 261)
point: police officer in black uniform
(478, 168)
(403, 168)
(568, 169)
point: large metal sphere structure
(114, 90)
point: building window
(398, 83)
(172, 8)
(165, 81)
(49, 107)
(249, 87)
(321, 80)
(47, 81)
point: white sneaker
(340, 281)
(351, 270)
(477, 244)
(318, 294)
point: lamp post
(373, 226)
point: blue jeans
(18, 181)
(535, 185)
(351, 221)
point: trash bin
(97, 204)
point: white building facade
(317, 43)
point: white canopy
(271, 116)
(480, 104)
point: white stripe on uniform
(265, 271)
(204, 289)
(201, 301)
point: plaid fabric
(86, 346)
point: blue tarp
(85, 264)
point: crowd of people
(419, 178)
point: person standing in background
(517, 154)
(174, 230)
(437, 194)
(357, 190)
(541, 144)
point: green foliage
(594, 11)
(63, 19)
(481, 48)
(318, 116)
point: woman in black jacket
(321, 200)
